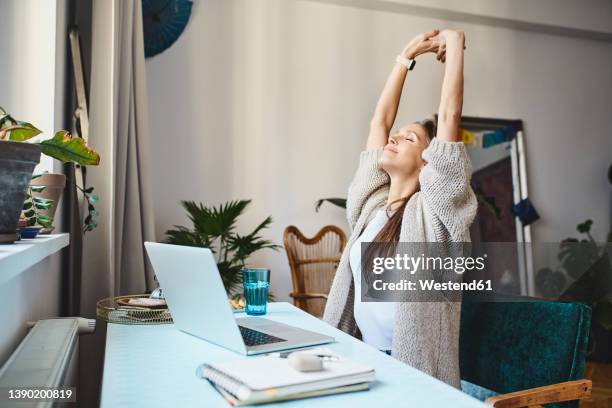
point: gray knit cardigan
(426, 334)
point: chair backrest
(313, 262)
(512, 346)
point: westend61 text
(430, 284)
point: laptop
(199, 305)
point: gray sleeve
(368, 179)
(445, 186)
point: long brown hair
(391, 231)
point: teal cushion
(477, 391)
(512, 346)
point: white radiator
(46, 358)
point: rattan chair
(313, 262)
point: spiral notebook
(258, 380)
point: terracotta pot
(17, 162)
(54, 185)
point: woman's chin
(388, 156)
(385, 163)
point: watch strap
(408, 63)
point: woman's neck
(401, 187)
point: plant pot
(28, 232)
(54, 185)
(17, 162)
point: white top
(375, 319)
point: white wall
(587, 15)
(32, 53)
(271, 100)
(28, 65)
(32, 295)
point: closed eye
(411, 137)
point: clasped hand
(434, 41)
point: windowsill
(16, 258)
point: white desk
(154, 366)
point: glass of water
(256, 282)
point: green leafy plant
(587, 264)
(90, 222)
(33, 204)
(214, 227)
(338, 202)
(63, 147)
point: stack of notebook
(259, 380)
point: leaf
(41, 200)
(585, 227)
(15, 130)
(35, 176)
(68, 149)
(339, 202)
(183, 236)
(45, 206)
(38, 189)
(246, 245)
(231, 275)
(22, 131)
(550, 283)
(44, 221)
(488, 202)
(214, 222)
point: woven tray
(110, 311)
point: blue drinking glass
(256, 282)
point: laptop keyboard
(256, 338)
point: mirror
(499, 181)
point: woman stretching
(410, 186)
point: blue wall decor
(163, 23)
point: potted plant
(47, 187)
(17, 162)
(33, 216)
(584, 274)
(214, 228)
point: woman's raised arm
(386, 108)
(451, 101)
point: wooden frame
(535, 397)
(80, 125)
(299, 296)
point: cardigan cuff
(368, 159)
(439, 148)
